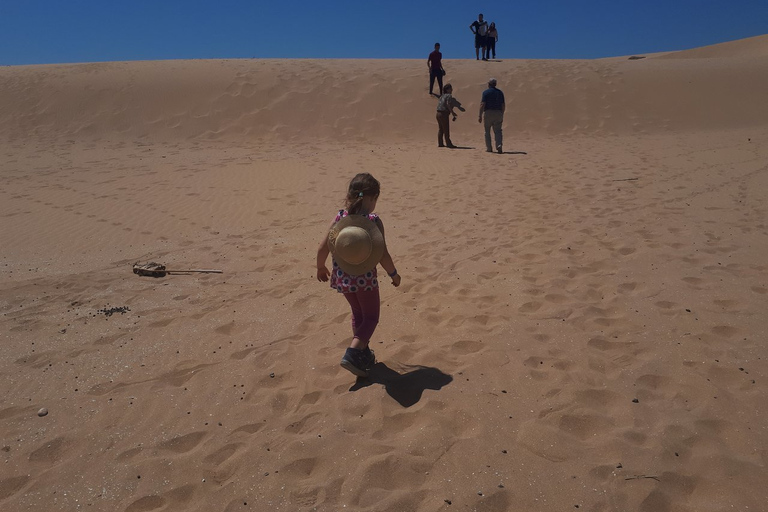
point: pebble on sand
(42, 412)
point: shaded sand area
(581, 322)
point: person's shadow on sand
(405, 388)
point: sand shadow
(405, 388)
(461, 147)
(509, 152)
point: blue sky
(55, 31)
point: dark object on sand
(153, 269)
(637, 57)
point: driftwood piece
(153, 269)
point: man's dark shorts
(479, 41)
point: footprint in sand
(726, 304)
(49, 452)
(182, 444)
(128, 454)
(695, 281)
(585, 426)
(725, 331)
(301, 468)
(12, 485)
(530, 307)
(627, 287)
(222, 454)
(467, 347)
(146, 504)
(250, 428)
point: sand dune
(752, 47)
(580, 324)
(352, 100)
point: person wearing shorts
(480, 29)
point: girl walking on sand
(356, 240)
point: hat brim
(377, 240)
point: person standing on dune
(480, 29)
(435, 66)
(492, 105)
(445, 108)
(493, 37)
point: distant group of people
(492, 103)
(486, 37)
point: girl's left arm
(386, 258)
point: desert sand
(581, 322)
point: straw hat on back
(356, 243)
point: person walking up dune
(492, 105)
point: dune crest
(751, 47)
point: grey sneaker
(358, 362)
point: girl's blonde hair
(362, 185)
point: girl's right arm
(322, 254)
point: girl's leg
(357, 311)
(368, 305)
